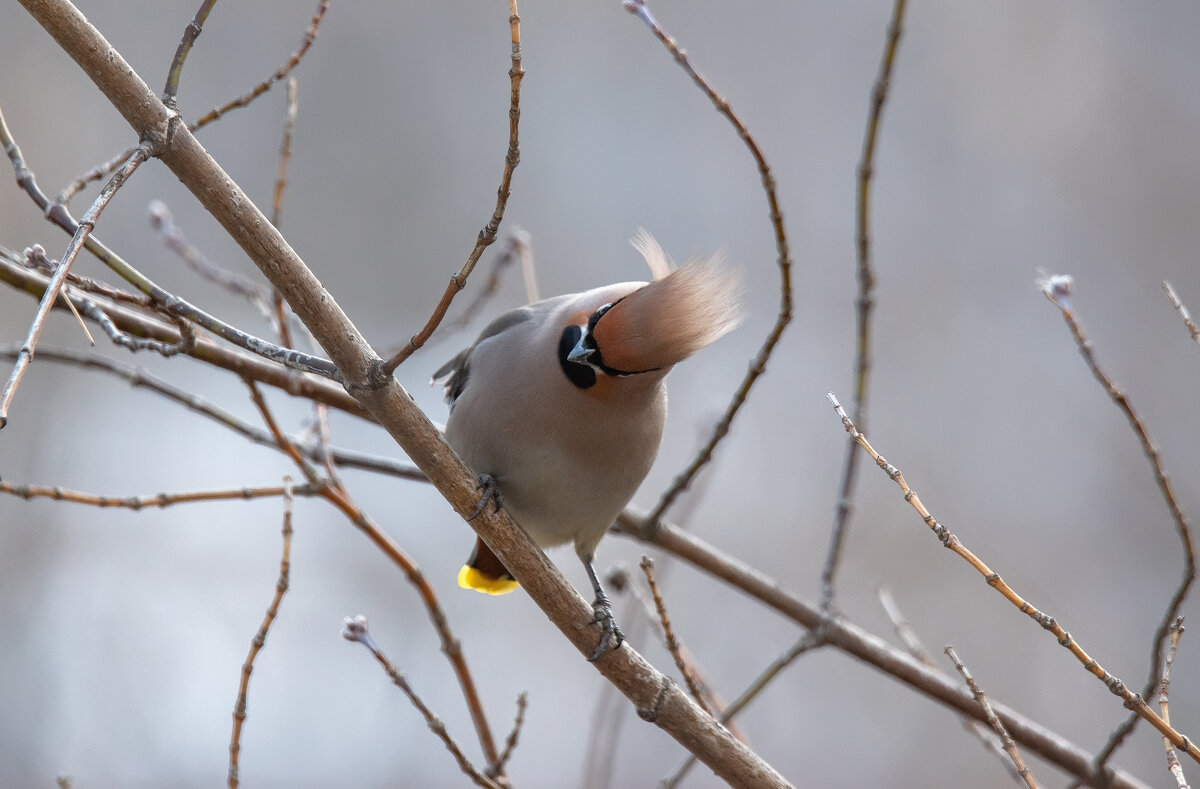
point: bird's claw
(490, 492)
(611, 636)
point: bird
(559, 406)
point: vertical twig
(673, 645)
(488, 234)
(759, 365)
(1173, 765)
(1058, 290)
(190, 34)
(863, 306)
(260, 638)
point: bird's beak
(580, 354)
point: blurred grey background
(1018, 136)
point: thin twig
(310, 35)
(997, 725)
(912, 642)
(35, 258)
(190, 34)
(510, 742)
(1192, 328)
(140, 378)
(1164, 686)
(1133, 701)
(488, 234)
(81, 233)
(94, 174)
(673, 645)
(285, 151)
(58, 214)
(355, 629)
(759, 365)
(1058, 290)
(160, 500)
(99, 171)
(187, 336)
(863, 306)
(806, 643)
(340, 498)
(260, 638)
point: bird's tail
(484, 572)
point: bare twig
(1009, 746)
(1058, 290)
(673, 645)
(1133, 701)
(759, 365)
(1164, 686)
(34, 257)
(187, 336)
(488, 234)
(310, 35)
(806, 643)
(285, 151)
(337, 495)
(102, 170)
(190, 34)
(510, 742)
(912, 642)
(863, 306)
(140, 378)
(157, 500)
(81, 233)
(355, 629)
(260, 638)
(1192, 328)
(58, 214)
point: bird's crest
(674, 316)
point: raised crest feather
(648, 247)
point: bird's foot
(490, 491)
(611, 636)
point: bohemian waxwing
(559, 405)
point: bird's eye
(582, 375)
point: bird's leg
(611, 636)
(490, 491)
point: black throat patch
(582, 375)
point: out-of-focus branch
(487, 235)
(863, 305)
(759, 365)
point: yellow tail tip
(470, 578)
